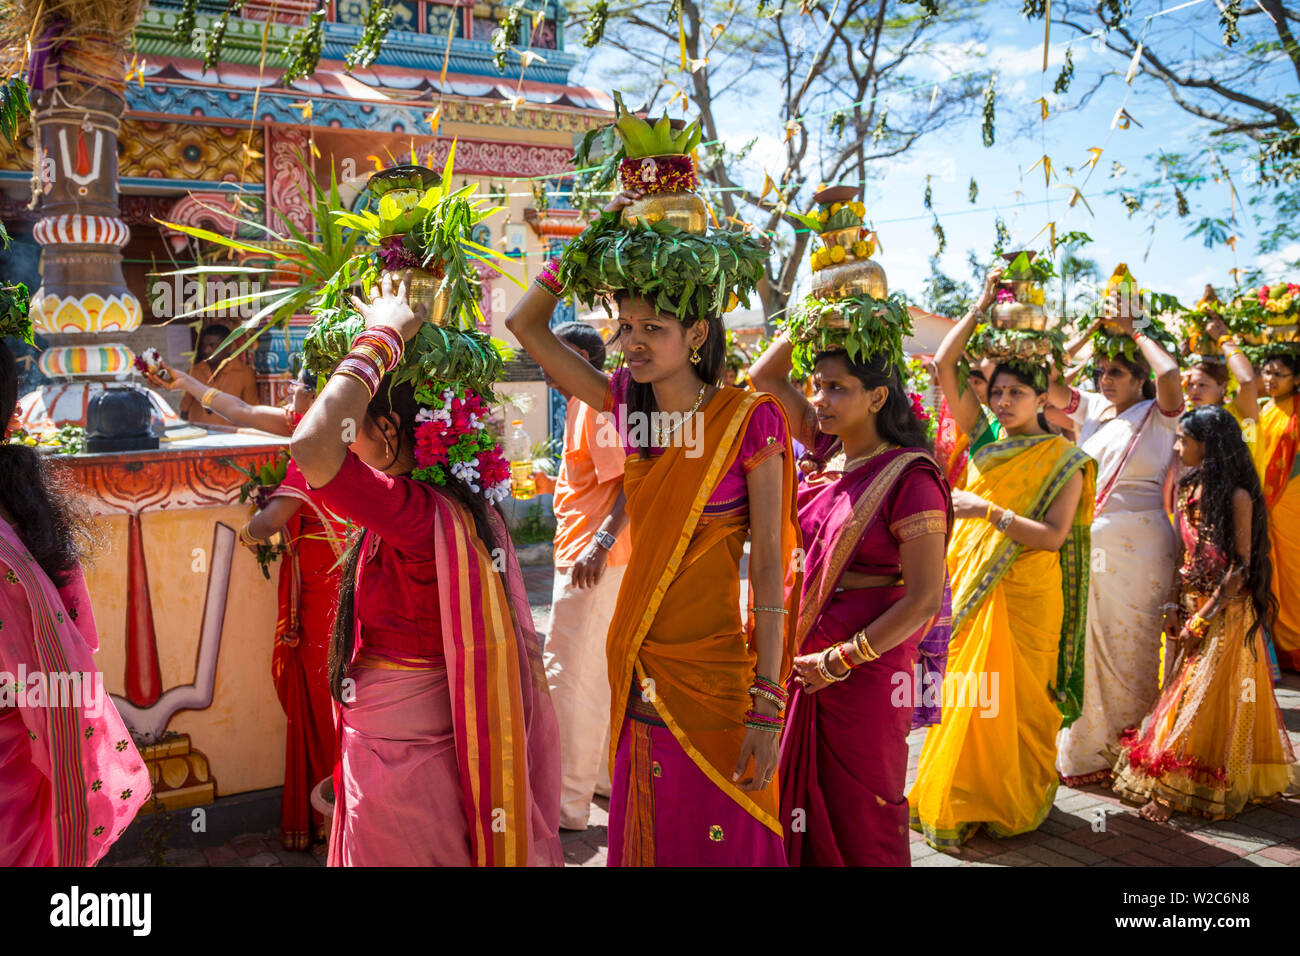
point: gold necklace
(661, 439)
(848, 466)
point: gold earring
(695, 355)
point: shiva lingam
(660, 163)
(398, 192)
(843, 267)
(1020, 297)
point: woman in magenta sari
(874, 515)
(448, 747)
(71, 779)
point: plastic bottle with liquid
(519, 452)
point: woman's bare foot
(1156, 812)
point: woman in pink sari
(71, 779)
(874, 515)
(448, 747)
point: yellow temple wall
(242, 731)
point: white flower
(424, 415)
(474, 422)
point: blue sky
(1173, 263)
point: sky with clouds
(1166, 259)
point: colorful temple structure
(189, 662)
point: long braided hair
(1226, 467)
(397, 401)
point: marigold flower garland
(452, 440)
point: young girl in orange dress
(1215, 741)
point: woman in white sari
(1129, 429)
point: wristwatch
(604, 539)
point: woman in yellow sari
(1279, 468)
(1018, 561)
(696, 688)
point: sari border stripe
(723, 454)
(71, 814)
(865, 511)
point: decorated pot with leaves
(1020, 296)
(843, 266)
(658, 161)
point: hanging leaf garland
(974, 190)
(304, 47)
(1228, 15)
(217, 38)
(596, 18)
(379, 20)
(937, 229)
(1062, 84)
(986, 128)
(185, 19)
(928, 197)
(506, 35)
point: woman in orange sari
(314, 541)
(694, 759)
(1279, 466)
(874, 514)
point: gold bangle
(774, 610)
(988, 511)
(246, 537)
(863, 647)
(206, 400)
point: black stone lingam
(118, 419)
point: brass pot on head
(686, 211)
(1019, 315)
(426, 300)
(850, 277)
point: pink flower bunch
(1004, 295)
(452, 441)
(918, 407)
(147, 361)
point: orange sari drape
(677, 628)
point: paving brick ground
(1086, 827)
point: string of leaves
(217, 37)
(597, 15)
(939, 235)
(185, 19)
(1062, 84)
(682, 274)
(1109, 345)
(379, 19)
(974, 190)
(861, 325)
(304, 47)
(990, 98)
(1228, 15)
(506, 35)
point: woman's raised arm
(771, 374)
(963, 403)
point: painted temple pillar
(79, 230)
